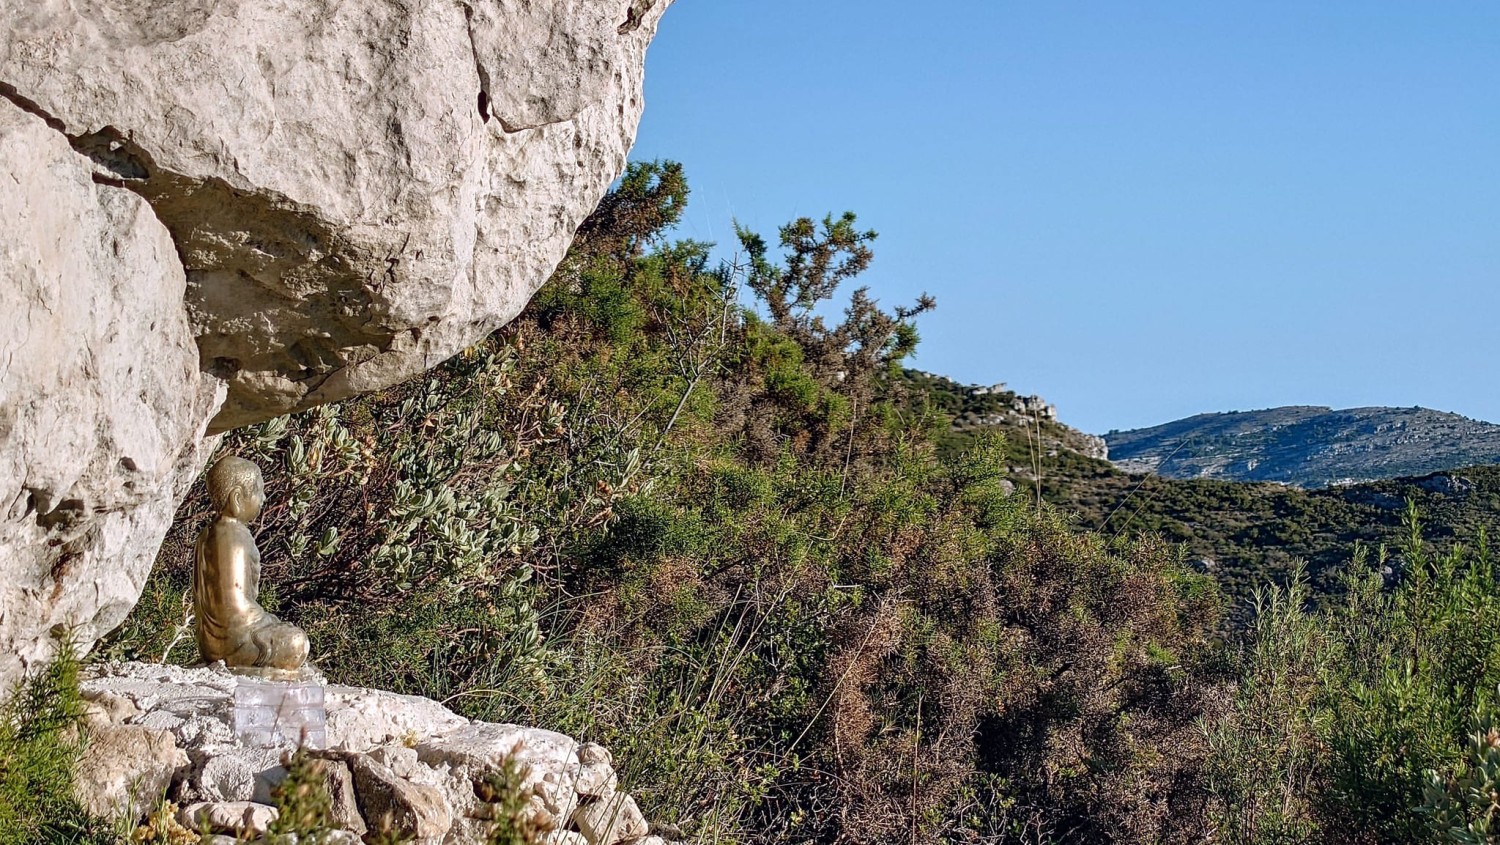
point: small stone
(406, 808)
(235, 817)
(537, 811)
(340, 780)
(610, 820)
(648, 840)
(597, 780)
(564, 837)
(557, 795)
(593, 752)
(125, 769)
(398, 758)
(117, 708)
(94, 713)
(596, 774)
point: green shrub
(39, 747)
(513, 822)
(1464, 806)
(1347, 716)
(303, 803)
(720, 541)
(1266, 758)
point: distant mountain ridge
(1245, 525)
(1307, 446)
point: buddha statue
(231, 624)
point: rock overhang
(350, 193)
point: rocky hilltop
(1307, 446)
(217, 213)
(1022, 419)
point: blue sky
(1140, 210)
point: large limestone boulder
(301, 200)
(357, 189)
(102, 404)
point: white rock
(341, 195)
(228, 817)
(370, 189)
(591, 753)
(114, 708)
(596, 779)
(398, 758)
(345, 806)
(564, 837)
(125, 769)
(429, 788)
(484, 746)
(362, 719)
(610, 820)
(225, 778)
(393, 803)
(557, 795)
(102, 405)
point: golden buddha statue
(231, 624)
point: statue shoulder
(226, 533)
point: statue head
(235, 488)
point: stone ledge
(412, 759)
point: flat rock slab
(398, 759)
(232, 817)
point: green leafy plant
(39, 745)
(1464, 806)
(1350, 717)
(513, 822)
(677, 509)
(304, 806)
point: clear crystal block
(278, 713)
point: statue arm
(237, 574)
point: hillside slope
(1244, 533)
(1307, 446)
(1026, 422)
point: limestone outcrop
(219, 211)
(102, 403)
(415, 764)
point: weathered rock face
(102, 405)
(125, 769)
(358, 190)
(415, 765)
(301, 199)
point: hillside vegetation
(741, 547)
(1245, 535)
(1307, 446)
